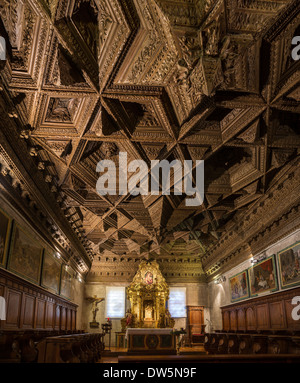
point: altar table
(151, 341)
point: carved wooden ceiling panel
(208, 80)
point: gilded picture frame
(239, 286)
(5, 231)
(289, 266)
(25, 255)
(51, 272)
(263, 277)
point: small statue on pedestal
(128, 320)
(95, 300)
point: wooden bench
(252, 343)
(77, 348)
(34, 346)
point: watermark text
(296, 309)
(188, 178)
(296, 49)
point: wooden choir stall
(195, 325)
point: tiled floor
(109, 360)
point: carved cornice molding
(41, 193)
(174, 269)
(284, 19)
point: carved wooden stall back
(31, 308)
(272, 312)
(258, 326)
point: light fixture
(259, 258)
(221, 279)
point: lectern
(106, 328)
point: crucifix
(95, 300)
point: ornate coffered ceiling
(158, 79)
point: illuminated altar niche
(148, 294)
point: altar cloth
(151, 341)
(139, 331)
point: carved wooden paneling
(195, 318)
(290, 322)
(226, 320)
(57, 318)
(195, 323)
(262, 315)
(30, 307)
(40, 314)
(241, 320)
(63, 318)
(73, 325)
(270, 312)
(69, 320)
(50, 311)
(276, 315)
(233, 321)
(28, 312)
(14, 301)
(250, 319)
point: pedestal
(94, 324)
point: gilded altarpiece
(148, 294)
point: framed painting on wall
(66, 283)
(289, 270)
(263, 277)
(51, 270)
(5, 227)
(25, 255)
(239, 287)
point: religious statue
(213, 35)
(191, 50)
(170, 322)
(229, 56)
(162, 321)
(148, 311)
(95, 300)
(165, 320)
(128, 320)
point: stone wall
(196, 295)
(78, 294)
(90, 290)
